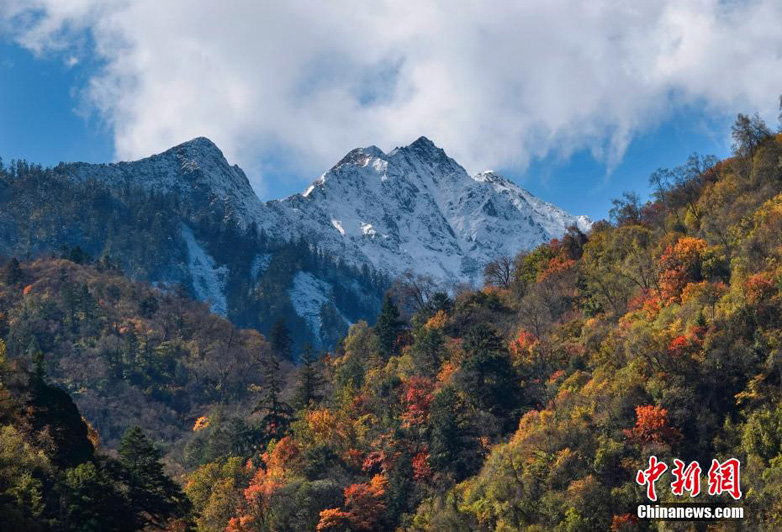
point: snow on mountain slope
(412, 208)
(416, 208)
(208, 278)
(259, 265)
(308, 295)
(196, 171)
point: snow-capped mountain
(412, 208)
(320, 260)
(416, 208)
(195, 171)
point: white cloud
(298, 83)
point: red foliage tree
(624, 523)
(680, 264)
(418, 394)
(362, 510)
(679, 346)
(421, 468)
(759, 288)
(652, 426)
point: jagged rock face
(417, 208)
(186, 216)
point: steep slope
(195, 171)
(412, 206)
(129, 354)
(193, 240)
(415, 206)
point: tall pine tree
(280, 339)
(388, 326)
(154, 498)
(11, 272)
(310, 380)
(276, 413)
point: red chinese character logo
(647, 477)
(686, 478)
(725, 477)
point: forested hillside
(55, 476)
(529, 404)
(128, 353)
(186, 237)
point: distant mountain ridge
(413, 207)
(319, 259)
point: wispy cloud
(299, 83)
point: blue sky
(582, 185)
(285, 90)
(40, 112)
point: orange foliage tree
(652, 426)
(680, 264)
(270, 477)
(362, 510)
(417, 396)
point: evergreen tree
(388, 326)
(154, 497)
(11, 273)
(438, 301)
(487, 375)
(53, 410)
(310, 381)
(280, 339)
(428, 345)
(92, 501)
(78, 256)
(276, 412)
(453, 449)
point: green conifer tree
(310, 380)
(388, 326)
(276, 413)
(154, 498)
(280, 340)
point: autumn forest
(529, 403)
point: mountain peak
(426, 148)
(199, 148)
(360, 156)
(196, 168)
(423, 142)
(198, 142)
(488, 176)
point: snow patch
(208, 279)
(338, 226)
(414, 207)
(367, 229)
(308, 295)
